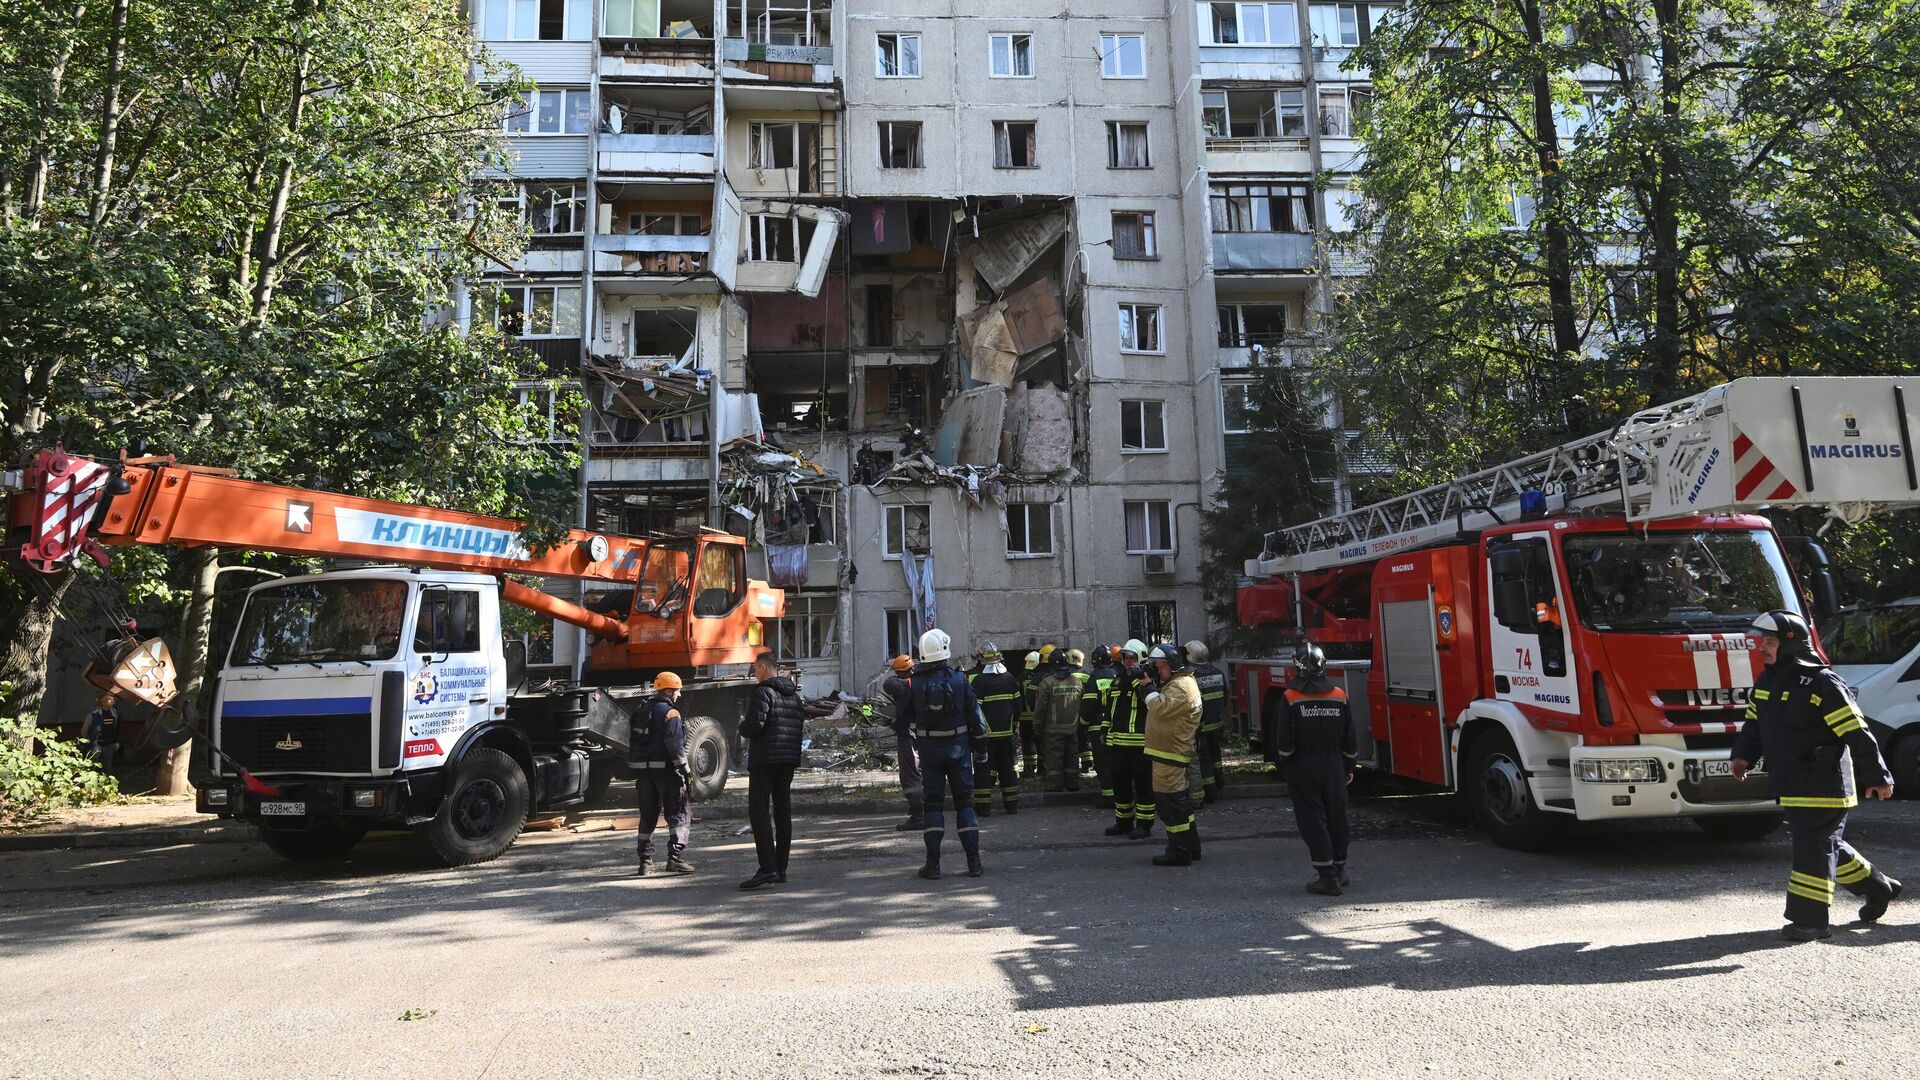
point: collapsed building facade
(945, 306)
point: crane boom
(65, 505)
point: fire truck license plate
(284, 809)
(1719, 768)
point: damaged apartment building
(921, 298)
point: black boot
(931, 871)
(916, 817)
(1011, 806)
(1324, 885)
(1878, 900)
(1340, 874)
(1120, 828)
(1193, 841)
(1805, 932)
(984, 810)
(1175, 855)
(646, 867)
(678, 865)
(1140, 832)
(764, 877)
(974, 866)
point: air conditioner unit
(1159, 564)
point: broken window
(907, 529)
(1123, 56)
(900, 632)
(549, 112)
(1254, 114)
(1345, 26)
(1140, 328)
(1133, 235)
(1152, 620)
(1011, 56)
(644, 223)
(1252, 24)
(1242, 208)
(879, 316)
(1014, 144)
(1126, 145)
(809, 630)
(537, 311)
(900, 144)
(1149, 527)
(551, 210)
(785, 145)
(897, 56)
(777, 237)
(1029, 529)
(1143, 427)
(1343, 110)
(1236, 408)
(536, 20)
(1243, 325)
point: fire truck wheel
(484, 811)
(1904, 761)
(706, 758)
(1739, 828)
(1495, 786)
(325, 839)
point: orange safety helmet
(902, 663)
(667, 680)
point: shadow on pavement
(1097, 923)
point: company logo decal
(288, 743)
(423, 748)
(425, 686)
(426, 534)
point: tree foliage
(232, 231)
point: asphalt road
(1637, 951)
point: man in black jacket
(1803, 721)
(1315, 745)
(774, 725)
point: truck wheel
(1739, 828)
(1904, 762)
(1495, 787)
(484, 811)
(706, 758)
(327, 838)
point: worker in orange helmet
(898, 686)
(657, 754)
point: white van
(1876, 648)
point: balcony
(689, 156)
(1230, 156)
(657, 58)
(1268, 350)
(1276, 252)
(672, 255)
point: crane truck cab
(386, 698)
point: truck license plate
(284, 809)
(1721, 768)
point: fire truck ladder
(1616, 466)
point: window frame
(1146, 608)
(1129, 327)
(890, 512)
(1027, 517)
(799, 234)
(1221, 198)
(1115, 128)
(532, 113)
(818, 624)
(1118, 37)
(526, 291)
(573, 14)
(1147, 518)
(905, 640)
(1145, 407)
(1006, 127)
(884, 135)
(1227, 391)
(1011, 37)
(1292, 23)
(898, 36)
(1147, 223)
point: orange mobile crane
(387, 696)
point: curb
(220, 831)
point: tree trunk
(109, 116)
(1556, 245)
(273, 230)
(1662, 380)
(195, 640)
(39, 153)
(29, 604)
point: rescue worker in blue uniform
(1803, 726)
(657, 754)
(1133, 805)
(1315, 745)
(952, 733)
(1208, 749)
(999, 694)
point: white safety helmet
(1135, 646)
(935, 645)
(1033, 660)
(1197, 652)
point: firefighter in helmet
(1213, 718)
(999, 694)
(1316, 746)
(1173, 720)
(1803, 721)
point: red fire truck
(1562, 637)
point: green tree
(232, 231)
